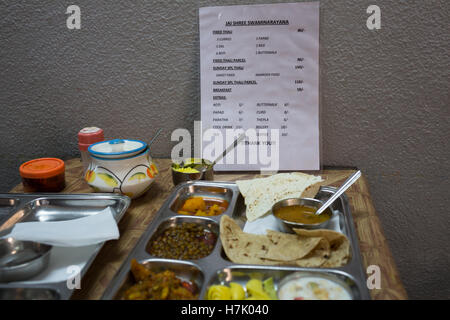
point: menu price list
(259, 70)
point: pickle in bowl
(192, 169)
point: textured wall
(133, 67)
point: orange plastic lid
(42, 168)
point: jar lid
(117, 148)
(90, 135)
(42, 168)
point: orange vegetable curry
(199, 206)
(158, 285)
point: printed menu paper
(259, 70)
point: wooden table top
(372, 242)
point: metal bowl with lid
(21, 260)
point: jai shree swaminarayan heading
(256, 23)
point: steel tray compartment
(59, 207)
(242, 274)
(204, 191)
(185, 271)
(206, 223)
(47, 209)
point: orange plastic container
(43, 175)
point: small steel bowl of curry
(300, 213)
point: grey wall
(133, 67)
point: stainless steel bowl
(288, 226)
(21, 260)
(206, 173)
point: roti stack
(306, 248)
(262, 193)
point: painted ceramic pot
(121, 166)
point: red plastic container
(86, 137)
(43, 175)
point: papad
(261, 194)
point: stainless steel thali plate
(216, 268)
(16, 208)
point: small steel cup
(288, 226)
(206, 173)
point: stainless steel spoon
(230, 147)
(202, 166)
(154, 137)
(340, 191)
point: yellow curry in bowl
(301, 214)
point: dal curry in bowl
(300, 213)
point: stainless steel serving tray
(217, 268)
(52, 207)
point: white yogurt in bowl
(304, 287)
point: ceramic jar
(121, 166)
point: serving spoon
(339, 191)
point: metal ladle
(340, 191)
